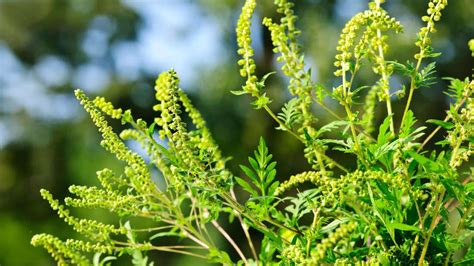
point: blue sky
(175, 34)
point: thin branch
(231, 241)
(272, 114)
(438, 128)
(245, 229)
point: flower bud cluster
(109, 180)
(174, 129)
(112, 200)
(244, 42)
(463, 129)
(90, 228)
(198, 157)
(293, 181)
(293, 253)
(202, 135)
(373, 19)
(140, 176)
(107, 108)
(342, 232)
(313, 149)
(369, 107)
(284, 40)
(61, 252)
(433, 15)
(283, 37)
(90, 247)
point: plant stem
(438, 128)
(327, 158)
(433, 224)
(231, 241)
(245, 229)
(385, 76)
(361, 214)
(346, 88)
(173, 249)
(318, 156)
(351, 121)
(418, 64)
(338, 117)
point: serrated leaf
(407, 124)
(404, 69)
(246, 186)
(289, 114)
(251, 174)
(425, 162)
(383, 135)
(425, 77)
(253, 163)
(270, 176)
(331, 126)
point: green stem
(230, 240)
(438, 128)
(374, 232)
(245, 229)
(385, 77)
(418, 64)
(338, 117)
(433, 224)
(327, 158)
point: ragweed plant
(397, 202)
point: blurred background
(117, 48)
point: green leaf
(151, 129)
(403, 227)
(457, 87)
(270, 176)
(265, 77)
(407, 124)
(425, 77)
(443, 124)
(262, 174)
(126, 117)
(253, 163)
(384, 134)
(239, 92)
(406, 70)
(290, 114)
(261, 101)
(429, 164)
(430, 53)
(331, 126)
(163, 234)
(249, 173)
(273, 187)
(246, 186)
(333, 225)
